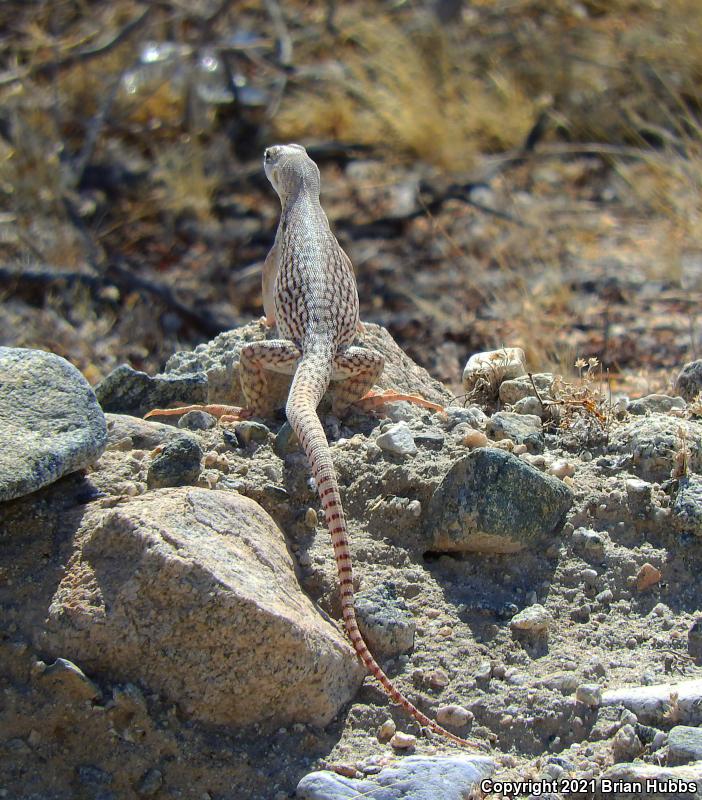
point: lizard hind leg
(354, 371)
(259, 358)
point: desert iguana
(309, 292)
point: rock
(249, 431)
(142, 434)
(626, 744)
(561, 468)
(508, 425)
(192, 593)
(639, 497)
(694, 639)
(385, 621)
(688, 384)
(403, 741)
(653, 441)
(605, 597)
(93, 777)
(454, 716)
(387, 730)
(589, 540)
(655, 403)
(286, 441)
(413, 778)
(218, 360)
(150, 783)
(128, 391)
(590, 694)
(484, 372)
(493, 502)
(432, 440)
(687, 506)
(653, 704)
(50, 422)
(475, 439)
(640, 781)
(71, 680)
(529, 405)
(684, 745)
(397, 439)
(647, 576)
(512, 391)
(178, 464)
(197, 421)
(534, 619)
(471, 415)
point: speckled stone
(413, 778)
(50, 422)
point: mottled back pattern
(315, 291)
(315, 305)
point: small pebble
(605, 597)
(589, 576)
(249, 431)
(153, 779)
(437, 679)
(403, 741)
(590, 694)
(532, 619)
(660, 610)
(475, 439)
(397, 439)
(387, 730)
(647, 576)
(311, 518)
(197, 421)
(562, 469)
(454, 715)
(484, 671)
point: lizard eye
(267, 156)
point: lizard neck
(302, 206)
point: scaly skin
(314, 300)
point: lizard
(310, 293)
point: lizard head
(289, 169)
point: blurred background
(501, 172)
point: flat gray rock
(653, 441)
(639, 781)
(387, 625)
(655, 403)
(50, 422)
(127, 391)
(684, 745)
(414, 778)
(493, 502)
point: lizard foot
(372, 400)
(223, 413)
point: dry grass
(184, 182)
(413, 93)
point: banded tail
(309, 384)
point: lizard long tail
(305, 393)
